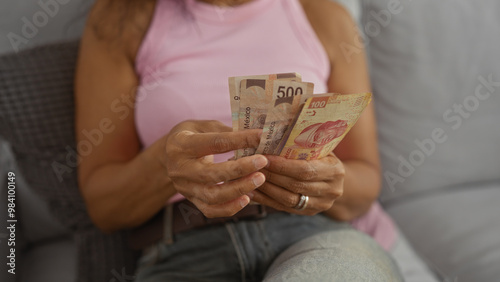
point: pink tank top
(191, 48)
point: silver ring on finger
(302, 204)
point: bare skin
(117, 178)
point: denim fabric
(341, 255)
(243, 251)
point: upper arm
(349, 74)
(105, 86)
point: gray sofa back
(435, 69)
(435, 72)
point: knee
(341, 255)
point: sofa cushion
(36, 221)
(435, 73)
(53, 260)
(457, 233)
(37, 119)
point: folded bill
(279, 120)
(322, 123)
(256, 95)
(234, 90)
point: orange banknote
(322, 123)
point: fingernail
(260, 162)
(250, 195)
(258, 180)
(244, 201)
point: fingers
(220, 200)
(290, 199)
(323, 169)
(283, 196)
(222, 210)
(202, 126)
(201, 171)
(295, 186)
(263, 199)
(222, 193)
(315, 205)
(212, 126)
(202, 144)
(234, 169)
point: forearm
(124, 195)
(361, 188)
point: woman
(155, 73)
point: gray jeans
(279, 247)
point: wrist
(344, 213)
(361, 188)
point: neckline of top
(222, 14)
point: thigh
(337, 255)
(198, 255)
(239, 251)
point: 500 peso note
(256, 96)
(235, 86)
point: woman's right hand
(217, 189)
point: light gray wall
(28, 23)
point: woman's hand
(286, 180)
(218, 190)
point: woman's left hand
(287, 180)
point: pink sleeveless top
(190, 50)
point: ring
(302, 202)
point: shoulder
(120, 24)
(326, 8)
(332, 23)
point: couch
(435, 73)
(45, 248)
(438, 138)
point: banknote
(256, 95)
(234, 90)
(322, 123)
(279, 119)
